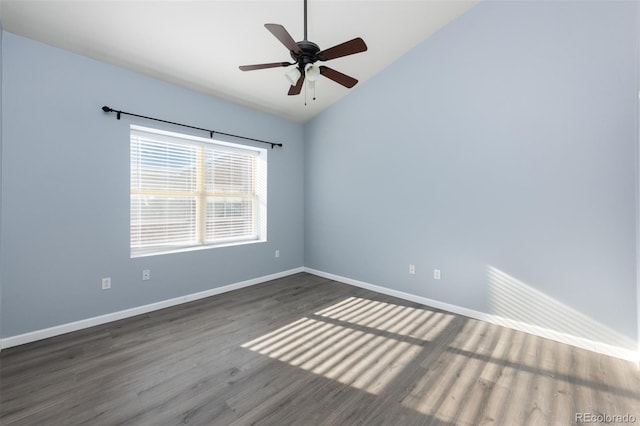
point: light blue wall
(637, 115)
(502, 151)
(65, 196)
(1, 173)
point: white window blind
(189, 192)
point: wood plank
(307, 350)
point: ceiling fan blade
(283, 35)
(347, 48)
(338, 77)
(295, 90)
(263, 66)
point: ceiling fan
(306, 53)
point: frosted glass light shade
(293, 75)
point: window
(189, 192)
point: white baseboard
(580, 342)
(127, 313)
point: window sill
(158, 252)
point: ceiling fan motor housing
(309, 54)
(306, 53)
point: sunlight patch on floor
(397, 319)
(445, 387)
(360, 342)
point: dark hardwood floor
(304, 350)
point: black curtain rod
(211, 132)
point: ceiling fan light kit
(293, 75)
(305, 54)
(312, 72)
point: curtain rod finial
(106, 109)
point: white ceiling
(200, 44)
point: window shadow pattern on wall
(513, 299)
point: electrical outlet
(106, 283)
(146, 275)
(277, 253)
(412, 269)
(436, 274)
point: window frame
(202, 197)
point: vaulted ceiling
(200, 44)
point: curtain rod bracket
(211, 132)
(108, 109)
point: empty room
(319, 212)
